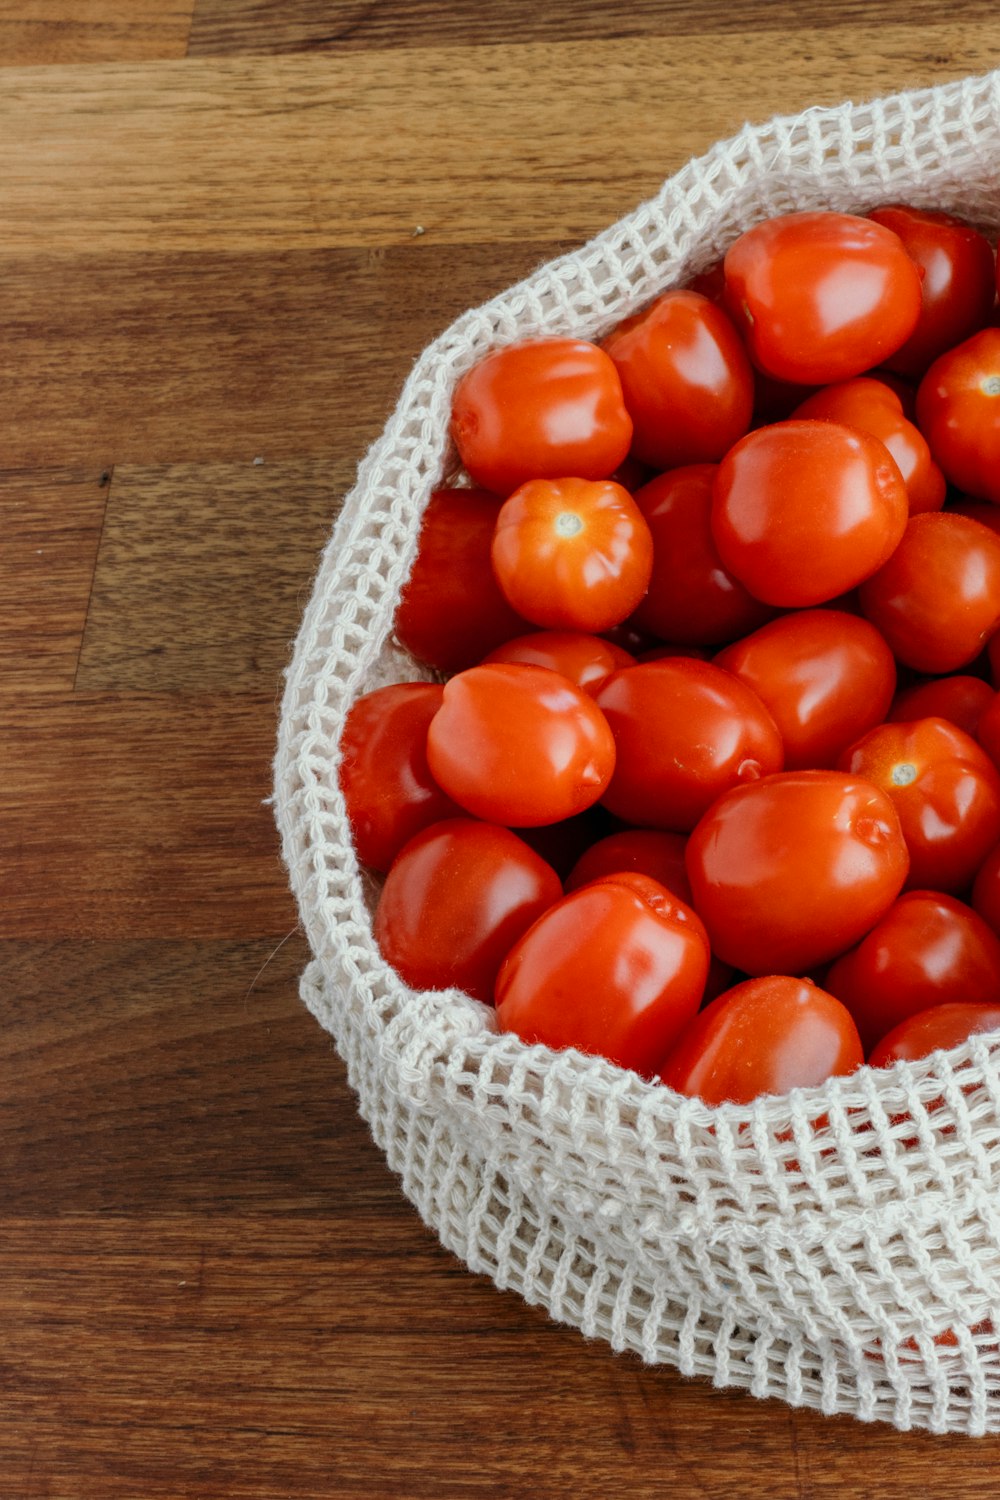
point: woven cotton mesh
(838, 1248)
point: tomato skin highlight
(958, 412)
(765, 1036)
(587, 660)
(933, 1030)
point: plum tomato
(691, 598)
(572, 554)
(986, 890)
(825, 677)
(956, 287)
(961, 700)
(685, 731)
(928, 949)
(821, 296)
(615, 969)
(586, 660)
(803, 511)
(452, 611)
(937, 599)
(765, 1036)
(519, 745)
(874, 407)
(934, 1030)
(946, 793)
(987, 731)
(645, 851)
(958, 412)
(686, 380)
(540, 410)
(456, 899)
(983, 511)
(788, 872)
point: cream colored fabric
(839, 1248)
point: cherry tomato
(986, 890)
(946, 793)
(586, 660)
(958, 699)
(934, 1030)
(691, 598)
(519, 745)
(873, 407)
(572, 554)
(956, 288)
(686, 379)
(684, 732)
(803, 511)
(614, 969)
(821, 296)
(937, 599)
(825, 678)
(958, 412)
(451, 611)
(789, 871)
(457, 898)
(646, 851)
(765, 1036)
(928, 949)
(384, 775)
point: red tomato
(983, 511)
(958, 412)
(821, 296)
(686, 379)
(572, 554)
(457, 898)
(562, 844)
(519, 745)
(664, 653)
(803, 511)
(960, 700)
(937, 599)
(384, 775)
(946, 793)
(684, 732)
(608, 970)
(789, 871)
(928, 949)
(586, 660)
(691, 598)
(540, 410)
(766, 1036)
(934, 1030)
(646, 851)
(986, 891)
(874, 407)
(956, 289)
(451, 611)
(987, 731)
(825, 678)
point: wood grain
(100, 31)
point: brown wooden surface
(209, 1282)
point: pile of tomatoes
(711, 788)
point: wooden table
(227, 227)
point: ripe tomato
(934, 1030)
(958, 412)
(986, 890)
(684, 732)
(384, 775)
(821, 296)
(937, 599)
(691, 597)
(928, 949)
(824, 676)
(540, 410)
(572, 554)
(646, 851)
(874, 407)
(586, 660)
(946, 793)
(519, 745)
(686, 379)
(956, 289)
(983, 511)
(457, 898)
(789, 871)
(803, 511)
(958, 699)
(614, 969)
(451, 611)
(987, 731)
(766, 1036)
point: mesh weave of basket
(838, 1248)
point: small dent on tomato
(568, 523)
(903, 773)
(991, 386)
(873, 831)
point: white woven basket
(817, 1247)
